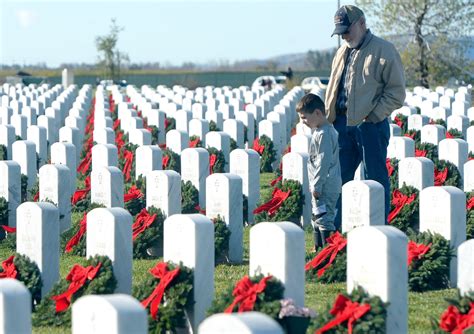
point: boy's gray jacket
(376, 82)
(324, 171)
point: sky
(165, 31)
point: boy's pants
(326, 222)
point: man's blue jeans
(366, 142)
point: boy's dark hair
(309, 103)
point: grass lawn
(422, 306)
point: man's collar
(365, 40)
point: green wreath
(135, 205)
(24, 187)
(413, 134)
(470, 219)
(154, 134)
(8, 239)
(336, 272)
(454, 177)
(221, 240)
(393, 177)
(178, 297)
(460, 303)
(3, 152)
(268, 155)
(373, 321)
(213, 126)
(220, 161)
(431, 271)
(267, 302)
(408, 219)
(440, 121)
(189, 197)
(151, 237)
(233, 144)
(34, 190)
(174, 162)
(455, 133)
(430, 149)
(29, 274)
(290, 210)
(193, 138)
(104, 283)
(3, 211)
(402, 121)
(80, 248)
(132, 148)
(170, 124)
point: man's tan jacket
(375, 78)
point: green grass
(422, 306)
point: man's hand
(316, 194)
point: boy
(324, 171)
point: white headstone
(235, 129)
(243, 323)
(19, 122)
(104, 136)
(362, 204)
(433, 133)
(455, 151)
(54, 186)
(147, 158)
(177, 141)
(163, 191)
(216, 117)
(465, 255)
(109, 233)
(196, 251)
(7, 137)
(37, 236)
(295, 167)
(377, 262)
(221, 141)
(271, 130)
(37, 135)
(224, 199)
(195, 168)
(114, 314)
(10, 181)
(24, 152)
(443, 211)
(104, 155)
(416, 172)
(468, 176)
(416, 122)
(278, 249)
(107, 187)
(401, 147)
(15, 307)
(64, 154)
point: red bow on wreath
(80, 194)
(454, 322)
(194, 143)
(335, 243)
(345, 310)
(78, 236)
(133, 193)
(9, 269)
(420, 153)
(212, 162)
(398, 121)
(142, 222)
(390, 168)
(416, 251)
(166, 276)
(165, 161)
(85, 163)
(78, 277)
(127, 167)
(8, 229)
(278, 197)
(440, 176)
(449, 135)
(470, 203)
(399, 200)
(245, 294)
(257, 147)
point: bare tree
(110, 58)
(433, 35)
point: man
(367, 83)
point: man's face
(355, 33)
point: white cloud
(26, 18)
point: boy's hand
(316, 194)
